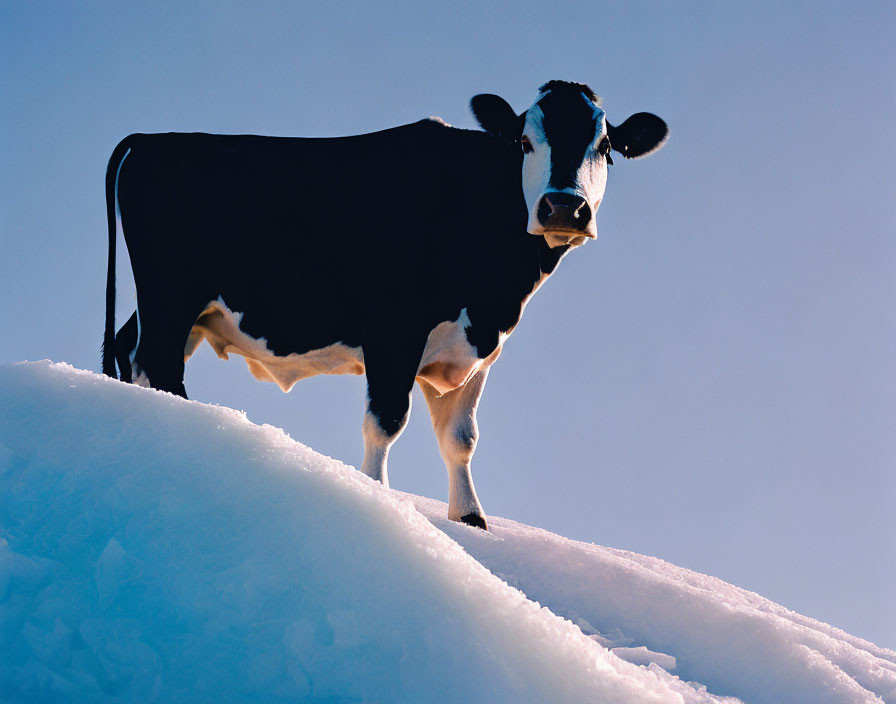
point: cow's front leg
(454, 420)
(390, 379)
(383, 424)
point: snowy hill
(156, 549)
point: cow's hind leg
(125, 345)
(454, 420)
(159, 359)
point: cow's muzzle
(565, 213)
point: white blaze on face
(536, 164)
(592, 174)
(590, 170)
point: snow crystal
(642, 656)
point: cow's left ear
(640, 135)
(495, 116)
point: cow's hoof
(472, 519)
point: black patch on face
(569, 128)
(570, 86)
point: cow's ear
(641, 134)
(496, 116)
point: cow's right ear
(495, 116)
(639, 136)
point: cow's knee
(458, 442)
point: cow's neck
(522, 272)
(513, 268)
(548, 258)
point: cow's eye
(526, 144)
(603, 148)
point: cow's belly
(449, 361)
(221, 327)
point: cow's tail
(118, 156)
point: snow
(156, 549)
(732, 640)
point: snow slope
(155, 549)
(732, 640)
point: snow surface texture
(156, 549)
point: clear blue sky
(712, 381)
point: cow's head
(565, 141)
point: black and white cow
(407, 254)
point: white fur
(536, 166)
(376, 449)
(449, 360)
(221, 327)
(454, 421)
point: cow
(407, 254)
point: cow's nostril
(545, 210)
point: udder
(449, 360)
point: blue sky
(711, 382)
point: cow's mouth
(559, 238)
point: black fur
(475, 520)
(565, 110)
(570, 87)
(496, 116)
(639, 136)
(570, 128)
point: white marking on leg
(376, 448)
(454, 421)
